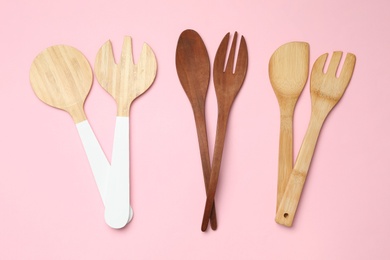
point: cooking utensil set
(288, 73)
(62, 78)
(193, 69)
(326, 89)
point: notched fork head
(326, 85)
(113, 76)
(228, 81)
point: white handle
(118, 211)
(96, 157)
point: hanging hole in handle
(285, 215)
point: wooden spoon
(326, 90)
(288, 73)
(227, 83)
(61, 77)
(124, 82)
(193, 69)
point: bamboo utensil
(288, 72)
(62, 77)
(227, 85)
(326, 90)
(193, 70)
(124, 81)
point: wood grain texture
(227, 84)
(62, 77)
(193, 70)
(288, 72)
(125, 81)
(326, 90)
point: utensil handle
(285, 160)
(96, 157)
(118, 181)
(217, 159)
(289, 203)
(200, 121)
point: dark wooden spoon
(193, 69)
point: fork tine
(319, 64)
(230, 62)
(105, 55)
(242, 58)
(105, 60)
(334, 62)
(220, 56)
(127, 51)
(147, 61)
(148, 56)
(349, 65)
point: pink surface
(49, 204)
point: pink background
(50, 206)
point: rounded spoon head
(62, 77)
(193, 66)
(289, 70)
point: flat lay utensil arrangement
(193, 70)
(62, 77)
(125, 82)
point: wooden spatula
(288, 72)
(124, 81)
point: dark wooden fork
(227, 83)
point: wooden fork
(326, 90)
(227, 84)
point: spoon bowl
(62, 78)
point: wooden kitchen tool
(227, 84)
(193, 69)
(124, 81)
(326, 90)
(62, 77)
(288, 71)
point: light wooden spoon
(326, 90)
(124, 82)
(193, 69)
(62, 77)
(288, 72)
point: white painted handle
(96, 157)
(118, 211)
